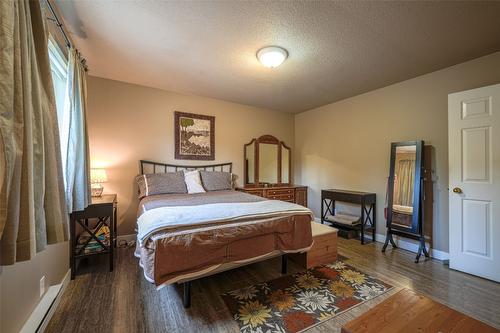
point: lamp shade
(98, 176)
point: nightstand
(93, 231)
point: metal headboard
(158, 167)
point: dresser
(290, 193)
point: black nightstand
(100, 213)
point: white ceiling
(337, 49)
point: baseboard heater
(40, 317)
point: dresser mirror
(285, 164)
(267, 162)
(249, 163)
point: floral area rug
(295, 302)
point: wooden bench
(324, 249)
(408, 311)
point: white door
(474, 168)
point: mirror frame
(269, 139)
(416, 225)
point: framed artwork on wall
(194, 136)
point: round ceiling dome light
(272, 56)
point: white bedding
(163, 218)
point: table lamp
(97, 177)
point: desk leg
(114, 225)
(374, 221)
(363, 222)
(322, 210)
(111, 239)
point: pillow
(161, 183)
(216, 180)
(193, 182)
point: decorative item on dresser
(98, 231)
(367, 201)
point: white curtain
(32, 207)
(74, 135)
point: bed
(182, 237)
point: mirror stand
(406, 194)
(420, 237)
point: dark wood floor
(123, 301)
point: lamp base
(96, 190)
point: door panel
(480, 107)
(474, 181)
(476, 226)
(476, 154)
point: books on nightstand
(93, 246)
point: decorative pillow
(216, 180)
(193, 182)
(161, 183)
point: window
(58, 66)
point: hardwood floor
(123, 301)
(408, 311)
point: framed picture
(194, 136)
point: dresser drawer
(280, 191)
(284, 197)
(260, 193)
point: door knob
(457, 190)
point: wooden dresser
(290, 193)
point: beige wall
(20, 284)
(347, 144)
(129, 122)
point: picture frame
(194, 136)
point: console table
(366, 200)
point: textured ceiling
(337, 49)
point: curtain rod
(59, 24)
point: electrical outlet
(42, 286)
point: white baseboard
(40, 317)
(406, 245)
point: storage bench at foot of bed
(324, 249)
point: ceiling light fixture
(272, 56)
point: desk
(366, 200)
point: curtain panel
(32, 202)
(405, 180)
(77, 162)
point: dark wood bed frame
(158, 167)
